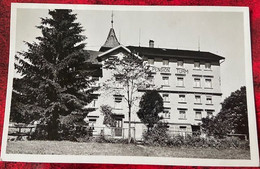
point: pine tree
(54, 75)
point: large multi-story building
(189, 81)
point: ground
(93, 148)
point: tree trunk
(52, 126)
(129, 125)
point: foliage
(158, 136)
(193, 142)
(211, 128)
(129, 73)
(71, 127)
(108, 116)
(74, 128)
(232, 118)
(103, 139)
(151, 104)
(20, 111)
(53, 73)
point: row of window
(183, 112)
(182, 99)
(180, 64)
(180, 82)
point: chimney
(151, 44)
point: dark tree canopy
(232, 117)
(54, 76)
(151, 104)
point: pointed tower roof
(111, 41)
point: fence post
(123, 133)
(134, 134)
(19, 129)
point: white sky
(218, 32)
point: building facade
(189, 83)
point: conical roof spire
(111, 41)
(112, 21)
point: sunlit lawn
(93, 148)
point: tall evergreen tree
(54, 75)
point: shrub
(40, 132)
(65, 132)
(176, 141)
(74, 133)
(157, 136)
(103, 139)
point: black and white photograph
(130, 85)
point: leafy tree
(54, 78)
(211, 128)
(151, 104)
(108, 116)
(232, 117)
(130, 74)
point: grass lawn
(93, 148)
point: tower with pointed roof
(111, 40)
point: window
(180, 63)
(119, 123)
(119, 78)
(197, 82)
(208, 100)
(166, 62)
(166, 98)
(182, 114)
(208, 83)
(196, 65)
(150, 80)
(197, 99)
(210, 113)
(182, 98)
(165, 80)
(118, 100)
(151, 61)
(166, 113)
(180, 81)
(198, 115)
(94, 102)
(207, 66)
(92, 122)
(183, 128)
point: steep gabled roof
(174, 53)
(114, 49)
(111, 41)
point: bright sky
(216, 32)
